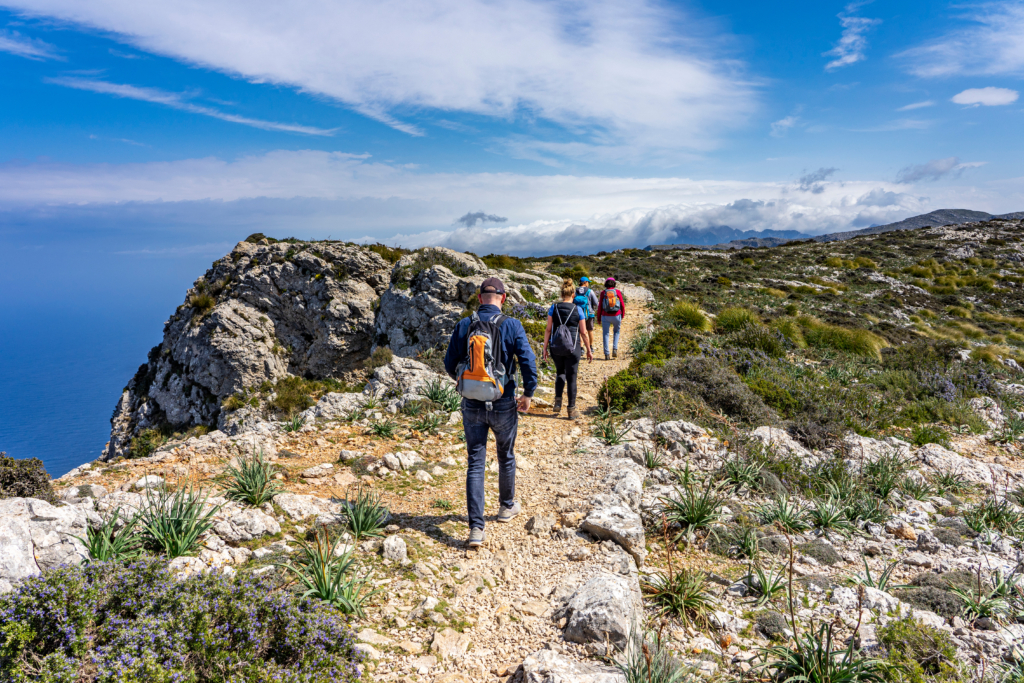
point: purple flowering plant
(128, 623)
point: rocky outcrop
(430, 290)
(35, 536)
(261, 313)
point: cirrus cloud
(613, 75)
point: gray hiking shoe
(476, 538)
(506, 514)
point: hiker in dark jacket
(611, 309)
(565, 339)
(501, 416)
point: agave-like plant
(365, 514)
(693, 507)
(767, 583)
(830, 516)
(817, 658)
(790, 515)
(647, 660)
(327, 575)
(173, 522)
(881, 582)
(107, 542)
(252, 481)
(681, 593)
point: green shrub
(789, 328)
(939, 600)
(293, 394)
(535, 330)
(824, 553)
(759, 338)
(664, 344)
(503, 262)
(202, 303)
(622, 390)
(686, 314)
(717, 385)
(735, 318)
(919, 651)
(145, 442)
(25, 479)
(136, 622)
(774, 396)
(380, 357)
(826, 336)
(387, 253)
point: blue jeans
(611, 321)
(503, 420)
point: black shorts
(590, 324)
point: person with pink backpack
(611, 309)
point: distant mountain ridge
(773, 238)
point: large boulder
(261, 313)
(620, 524)
(603, 609)
(548, 666)
(35, 536)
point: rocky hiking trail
(444, 613)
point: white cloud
(917, 105)
(635, 75)
(315, 194)
(898, 124)
(178, 101)
(988, 97)
(783, 126)
(989, 40)
(935, 169)
(853, 42)
(29, 48)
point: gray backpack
(563, 342)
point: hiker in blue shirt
(500, 416)
(592, 300)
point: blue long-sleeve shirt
(516, 347)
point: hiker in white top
(565, 339)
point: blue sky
(171, 130)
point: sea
(74, 328)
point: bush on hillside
(380, 357)
(623, 390)
(791, 330)
(757, 337)
(136, 622)
(717, 385)
(734, 318)
(920, 652)
(24, 479)
(665, 344)
(774, 396)
(686, 314)
(824, 335)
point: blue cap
(584, 279)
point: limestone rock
(259, 314)
(944, 460)
(16, 560)
(901, 529)
(317, 471)
(548, 666)
(77, 494)
(927, 543)
(449, 643)
(394, 549)
(621, 525)
(403, 376)
(299, 507)
(539, 525)
(603, 609)
(246, 525)
(150, 481)
(681, 432)
(781, 442)
(629, 487)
